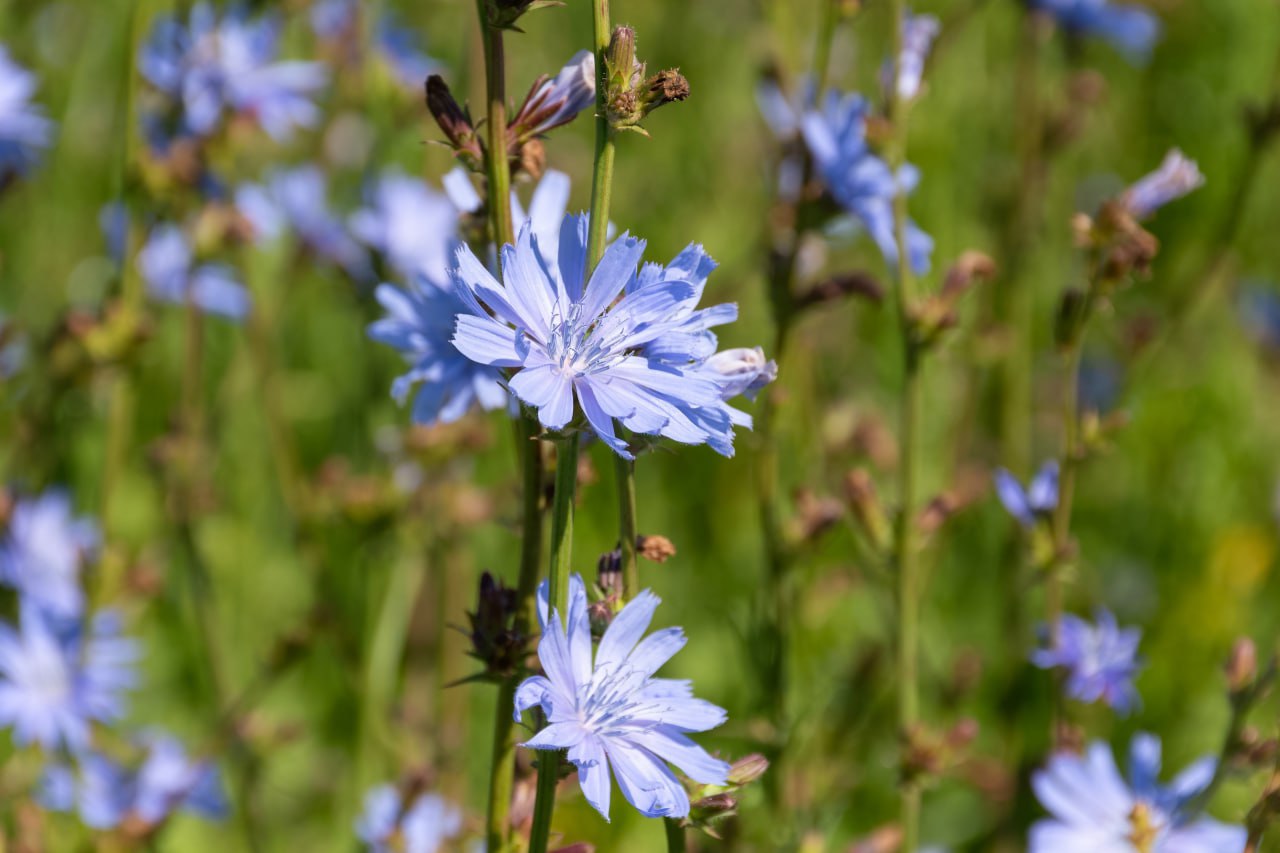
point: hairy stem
(627, 525)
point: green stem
(558, 598)
(497, 163)
(602, 172)
(627, 525)
(905, 557)
(502, 769)
(676, 841)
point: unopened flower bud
(659, 549)
(621, 55)
(609, 572)
(747, 769)
(742, 371)
(1242, 666)
(495, 641)
(716, 805)
(860, 492)
(454, 121)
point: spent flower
(1176, 176)
(609, 711)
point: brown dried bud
(815, 515)
(971, 267)
(659, 549)
(716, 805)
(454, 121)
(936, 512)
(580, 847)
(884, 839)
(665, 87)
(531, 158)
(1242, 667)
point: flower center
(581, 346)
(1144, 827)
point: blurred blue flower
(1093, 808)
(105, 793)
(1100, 661)
(918, 33)
(419, 323)
(412, 225)
(24, 130)
(416, 229)
(555, 101)
(783, 113)
(1038, 500)
(613, 712)
(297, 199)
(1099, 383)
(858, 180)
(569, 340)
(55, 679)
(41, 553)
(1131, 29)
(1260, 313)
(427, 824)
(212, 67)
(397, 46)
(171, 274)
(1176, 176)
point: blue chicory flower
(426, 824)
(106, 793)
(397, 46)
(784, 112)
(571, 341)
(297, 199)
(610, 711)
(24, 129)
(1131, 29)
(1100, 660)
(41, 554)
(1037, 501)
(1093, 808)
(858, 180)
(918, 33)
(56, 679)
(171, 274)
(1176, 176)
(417, 230)
(213, 67)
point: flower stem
(627, 525)
(557, 597)
(676, 842)
(905, 546)
(497, 164)
(567, 456)
(502, 768)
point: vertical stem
(905, 556)
(497, 164)
(567, 457)
(676, 841)
(557, 597)
(502, 769)
(627, 525)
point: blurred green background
(1177, 523)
